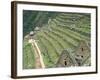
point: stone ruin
(80, 57)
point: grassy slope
(28, 60)
(58, 35)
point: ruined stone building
(66, 60)
(81, 56)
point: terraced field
(62, 32)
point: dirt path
(38, 57)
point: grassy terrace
(73, 28)
(49, 62)
(63, 32)
(70, 30)
(51, 52)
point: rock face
(80, 57)
(66, 60)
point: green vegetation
(28, 57)
(58, 31)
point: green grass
(66, 36)
(45, 54)
(28, 57)
(58, 35)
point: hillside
(57, 31)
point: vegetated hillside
(58, 31)
(31, 19)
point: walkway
(38, 57)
